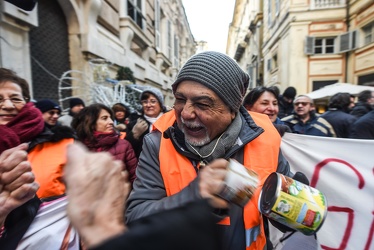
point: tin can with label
(293, 203)
(240, 184)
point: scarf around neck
(103, 141)
(224, 142)
(152, 120)
(24, 127)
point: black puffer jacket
(361, 109)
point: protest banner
(343, 170)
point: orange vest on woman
(47, 162)
(260, 155)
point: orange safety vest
(260, 155)
(122, 135)
(47, 162)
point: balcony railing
(326, 4)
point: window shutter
(309, 45)
(157, 25)
(348, 41)
(277, 3)
(176, 52)
(344, 42)
(355, 37)
(269, 65)
(169, 40)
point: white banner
(49, 227)
(343, 170)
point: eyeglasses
(302, 103)
(151, 101)
(53, 112)
(14, 100)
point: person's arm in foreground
(17, 182)
(96, 192)
(96, 189)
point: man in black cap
(285, 102)
(51, 111)
(76, 105)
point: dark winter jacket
(340, 121)
(314, 126)
(361, 109)
(285, 108)
(189, 227)
(363, 128)
(136, 144)
(121, 150)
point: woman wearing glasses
(22, 126)
(152, 102)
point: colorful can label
(293, 203)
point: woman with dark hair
(153, 107)
(263, 100)
(94, 128)
(121, 114)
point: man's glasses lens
(302, 103)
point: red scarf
(23, 128)
(103, 142)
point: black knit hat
(218, 72)
(290, 92)
(76, 101)
(46, 105)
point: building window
(366, 80)
(134, 10)
(324, 45)
(320, 45)
(274, 61)
(321, 84)
(368, 33)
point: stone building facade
(150, 37)
(307, 44)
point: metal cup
(240, 184)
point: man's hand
(212, 178)
(17, 182)
(97, 189)
(140, 127)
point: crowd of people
(343, 119)
(153, 179)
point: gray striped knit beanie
(218, 72)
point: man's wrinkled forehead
(303, 98)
